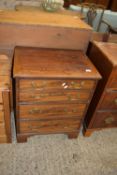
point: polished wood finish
(109, 101)
(102, 112)
(66, 65)
(49, 126)
(53, 90)
(5, 104)
(53, 96)
(47, 111)
(107, 119)
(46, 84)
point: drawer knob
(82, 83)
(35, 97)
(77, 85)
(66, 127)
(74, 110)
(33, 85)
(69, 97)
(109, 120)
(35, 111)
(116, 101)
(65, 85)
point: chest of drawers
(5, 105)
(102, 112)
(53, 90)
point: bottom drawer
(48, 126)
(105, 120)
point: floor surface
(57, 155)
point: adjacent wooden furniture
(102, 112)
(100, 2)
(104, 37)
(77, 2)
(5, 100)
(113, 5)
(53, 90)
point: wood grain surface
(45, 63)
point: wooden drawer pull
(75, 84)
(35, 97)
(65, 85)
(33, 85)
(42, 126)
(35, 111)
(36, 127)
(109, 120)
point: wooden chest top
(42, 18)
(52, 63)
(109, 50)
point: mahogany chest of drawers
(53, 90)
(102, 112)
(5, 89)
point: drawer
(54, 96)
(105, 120)
(25, 84)
(109, 101)
(1, 117)
(1, 100)
(113, 84)
(2, 129)
(51, 111)
(48, 126)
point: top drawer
(25, 84)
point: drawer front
(1, 116)
(2, 129)
(51, 111)
(1, 100)
(53, 96)
(113, 84)
(48, 126)
(109, 101)
(55, 84)
(105, 120)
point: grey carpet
(57, 155)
